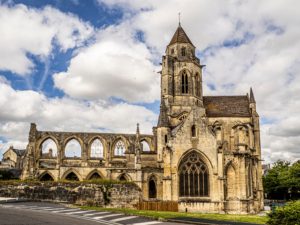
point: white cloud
(266, 55)
(116, 65)
(28, 31)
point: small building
(13, 158)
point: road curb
(12, 200)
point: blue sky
(92, 65)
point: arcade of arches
(204, 153)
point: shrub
(285, 215)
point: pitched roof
(180, 37)
(227, 106)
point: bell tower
(181, 78)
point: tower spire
(252, 99)
(179, 20)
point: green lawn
(166, 215)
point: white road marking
(123, 218)
(66, 210)
(78, 212)
(105, 216)
(147, 223)
(92, 214)
(54, 209)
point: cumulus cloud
(116, 65)
(242, 44)
(28, 31)
(19, 108)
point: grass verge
(163, 215)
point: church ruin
(204, 153)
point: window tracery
(120, 148)
(97, 149)
(193, 176)
(184, 83)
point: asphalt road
(38, 213)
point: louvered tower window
(193, 176)
(184, 83)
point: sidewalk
(190, 220)
(7, 200)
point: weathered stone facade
(204, 153)
(110, 195)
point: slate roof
(227, 106)
(19, 152)
(180, 37)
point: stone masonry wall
(108, 195)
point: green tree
(276, 182)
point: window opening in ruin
(120, 148)
(166, 139)
(145, 146)
(97, 149)
(184, 83)
(72, 176)
(73, 149)
(193, 176)
(152, 188)
(49, 148)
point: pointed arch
(184, 82)
(73, 148)
(94, 174)
(124, 177)
(152, 187)
(96, 148)
(145, 146)
(119, 147)
(48, 148)
(71, 174)
(46, 176)
(193, 173)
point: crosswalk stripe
(66, 210)
(92, 214)
(123, 218)
(105, 216)
(53, 209)
(78, 212)
(147, 223)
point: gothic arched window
(193, 176)
(73, 149)
(120, 148)
(145, 146)
(97, 149)
(49, 148)
(184, 83)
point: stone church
(204, 153)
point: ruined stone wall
(109, 195)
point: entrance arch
(152, 189)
